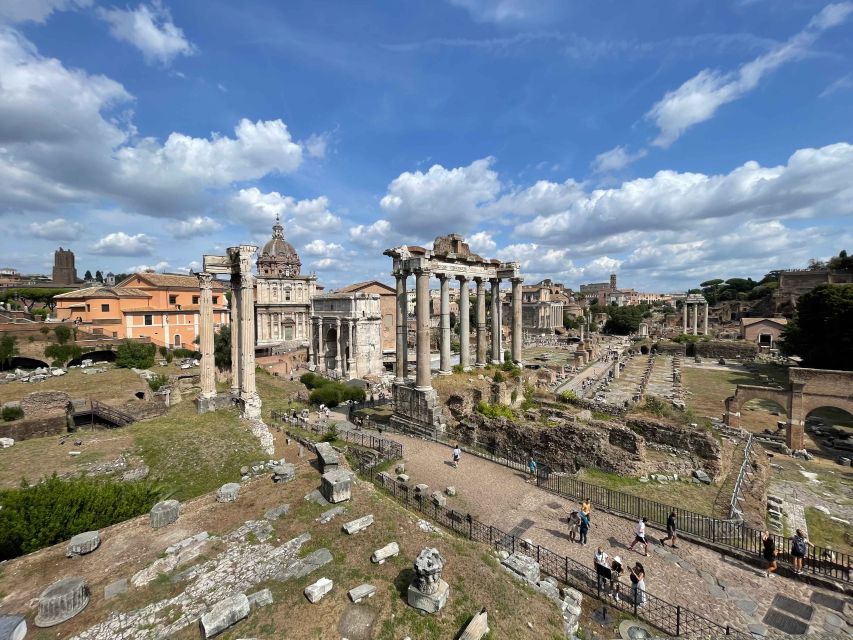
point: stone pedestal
(337, 486)
(12, 627)
(417, 411)
(429, 602)
(62, 601)
(228, 492)
(83, 543)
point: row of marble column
(342, 365)
(695, 314)
(423, 375)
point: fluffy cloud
(431, 203)
(616, 159)
(371, 236)
(814, 182)
(482, 243)
(150, 29)
(122, 244)
(316, 145)
(698, 99)
(258, 211)
(139, 268)
(67, 139)
(320, 247)
(56, 229)
(13, 11)
(197, 226)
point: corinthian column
(516, 320)
(481, 322)
(444, 365)
(402, 327)
(235, 336)
(464, 321)
(248, 391)
(695, 319)
(205, 335)
(706, 319)
(423, 380)
(684, 309)
(496, 320)
(339, 343)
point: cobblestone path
(722, 589)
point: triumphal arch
(416, 407)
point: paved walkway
(722, 589)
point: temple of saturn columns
(416, 406)
(238, 264)
(694, 301)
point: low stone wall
(671, 348)
(43, 404)
(735, 349)
(27, 428)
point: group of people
(610, 574)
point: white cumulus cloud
(150, 29)
(196, 226)
(616, 159)
(56, 229)
(122, 244)
(258, 211)
(698, 99)
(482, 243)
(14, 11)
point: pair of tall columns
(342, 366)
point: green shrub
(169, 357)
(63, 333)
(495, 410)
(331, 434)
(333, 393)
(569, 397)
(163, 351)
(158, 382)
(186, 353)
(313, 381)
(498, 377)
(38, 516)
(135, 355)
(41, 313)
(12, 413)
(458, 368)
(656, 406)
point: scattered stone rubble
(262, 432)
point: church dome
(278, 257)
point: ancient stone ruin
(62, 601)
(428, 592)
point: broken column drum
(62, 601)
(83, 543)
(164, 513)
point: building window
(148, 319)
(87, 308)
(115, 334)
(177, 340)
(215, 299)
(105, 307)
(195, 299)
(173, 299)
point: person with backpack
(670, 530)
(799, 548)
(531, 468)
(584, 527)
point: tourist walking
(769, 553)
(616, 570)
(584, 527)
(670, 530)
(586, 507)
(531, 470)
(599, 562)
(799, 548)
(457, 453)
(574, 522)
(640, 536)
(638, 584)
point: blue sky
(669, 143)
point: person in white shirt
(640, 536)
(457, 453)
(601, 557)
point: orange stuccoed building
(163, 307)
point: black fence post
(678, 620)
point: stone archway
(330, 348)
(94, 356)
(22, 362)
(808, 389)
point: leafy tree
(63, 333)
(222, 347)
(135, 355)
(625, 320)
(8, 348)
(712, 283)
(816, 265)
(841, 262)
(820, 331)
(99, 276)
(61, 354)
(29, 296)
(87, 276)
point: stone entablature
(694, 301)
(347, 336)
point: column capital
(495, 281)
(421, 271)
(464, 279)
(516, 279)
(205, 280)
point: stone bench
(388, 551)
(360, 524)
